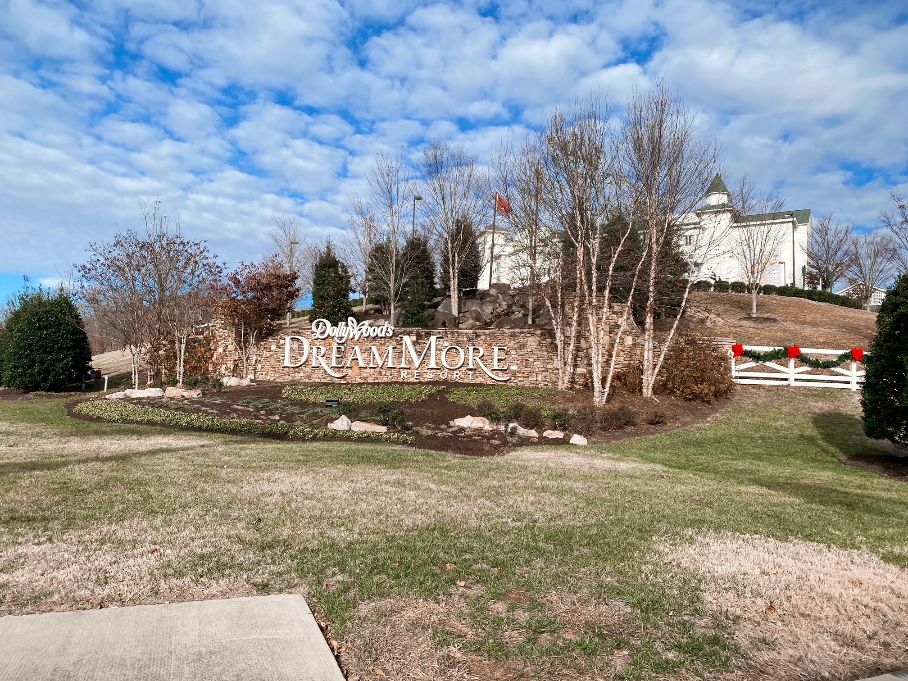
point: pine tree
(378, 293)
(420, 287)
(45, 346)
(470, 264)
(331, 288)
(885, 398)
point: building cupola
(717, 194)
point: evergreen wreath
(793, 351)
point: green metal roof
(801, 217)
(717, 186)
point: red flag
(502, 205)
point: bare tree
(113, 286)
(453, 200)
(361, 238)
(292, 249)
(666, 169)
(379, 230)
(756, 241)
(897, 224)
(827, 251)
(871, 264)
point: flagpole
(492, 247)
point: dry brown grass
(568, 459)
(801, 610)
(802, 322)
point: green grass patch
(501, 396)
(125, 412)
(374, 393)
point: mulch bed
(430, 418)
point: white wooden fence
(751, 372)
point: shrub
(655, 417)
(393, 418)
(817, 296)
(702, 285)
(696, 369)
(721, 286)
(737, 287)
(562, 419)
(44, 343)
(769, 290)
(586, 419)
(331, 288)
(885, 398)
(532, 417)
(513, 412)
(489, 410)
(617, 417)
(501, 395)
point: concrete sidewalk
(894, 676)
(266, 637)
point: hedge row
(127, 412)
(770, 290)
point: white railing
(751, 372)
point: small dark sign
(332, 401)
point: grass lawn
(742, 548)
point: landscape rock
(472, 422)
(115, 396)
(516, 429)
(235, 381)
(577, 439)
(146, 392)
(445, 305)
(553, 434)
(366, 427)
(342, 423)
(173, 391)
(444, 320)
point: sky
(231, 112)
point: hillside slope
(786, 321)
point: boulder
(500, 287)
(510, 323)
(115, 396)
(172, 391)
(472, 422)
(444, 320)
(342, 423)
(147, 392)
(235, 381)
(445, 305)
(516, 429)
(553, 434)
(366, 427)
(578, 439)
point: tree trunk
(753, 300)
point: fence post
(791, 371)
(854, 375)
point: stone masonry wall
(519, 356)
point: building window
(688, 239)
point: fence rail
(753, 372)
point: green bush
(721, 286)
(118, 411)
(331, 288)
(737, 287)
(885, 397)
(702, 285)
(365, 393)
(532, 417)
(490, 410)
(617, 417)
(769, 290)
(562, 419)
(393, 418)
(44, 343)
(817, 296)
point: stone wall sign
(359, 347)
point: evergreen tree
(885, 398)
(420, 287)
(331, 288)
(44, 345)
(470, 264)
(378, 293)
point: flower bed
(126, 412)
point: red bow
(794, 351)
(857, 354)
(737, 350)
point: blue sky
(233, 111)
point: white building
(787, 266)
(853, 291)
